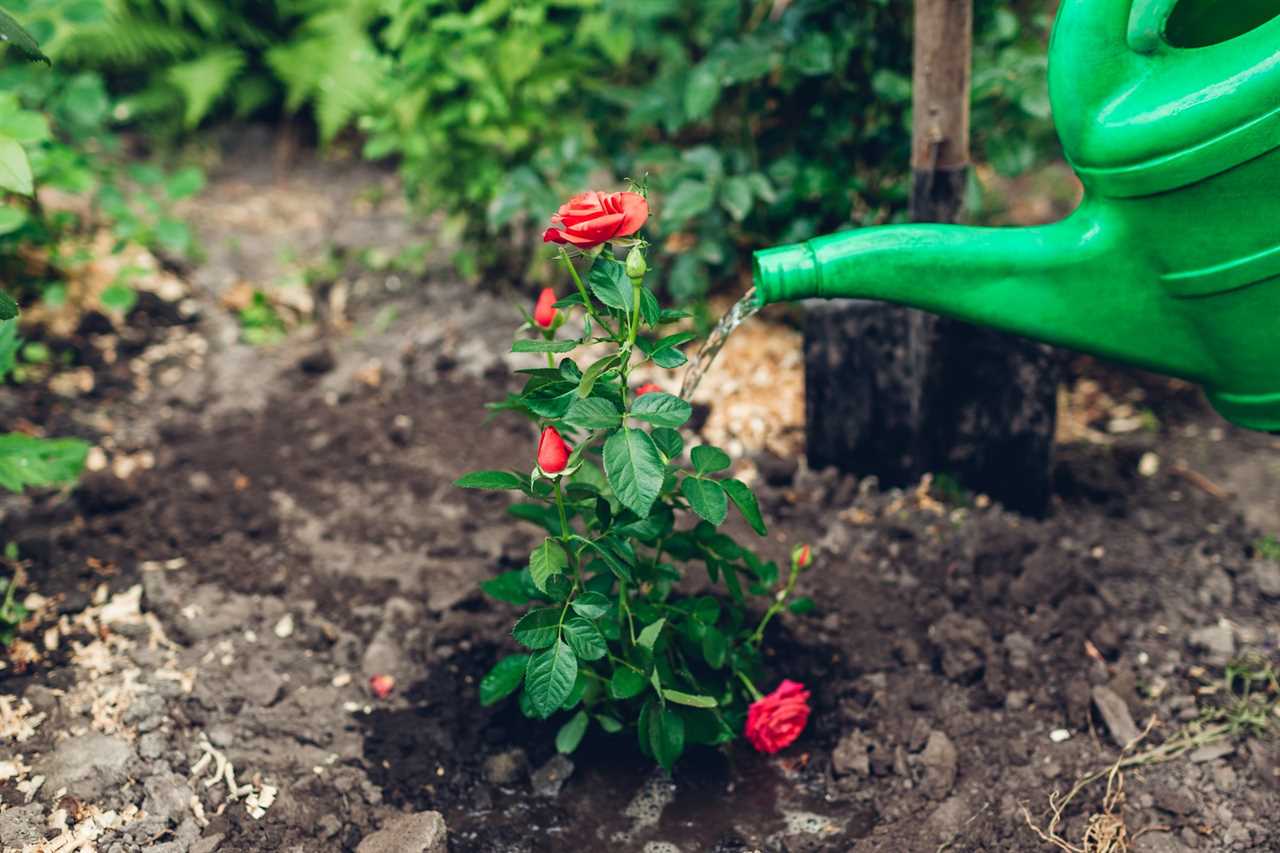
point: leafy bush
(611, 638)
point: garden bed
(286, 528)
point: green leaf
(503, 679)
(666, 734)
(593, 373)
(714, 647)
(634, 468)
(669, 358)
(11, 218)
(184, 183)
(538, 628)
(9, 345)
(549, 678)
(13, 33)
(649, 636)
(8, 307)
(489, 480)
(661, 409)
(702, 90)
(546, 560)
(735, 197)
(706, 497)
(690, 699)
(668, 441)
(570, 734)
(803, 604)
(592, 605)
(688, 200)
(508, 587)
(611, 725)
(118, 298)
(15, 168)
(650, 311)
(707, 459)
(204, 80)
(608, 281)
(593, 413)
(745, 500)
(626, 683)
(27, 461)
(542, 345)
(619, 568)
(585, 639)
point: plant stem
(565, 533)
(582, 291)
(751, 688)
(778, 603)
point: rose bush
(612, 637)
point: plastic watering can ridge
(1169, 111)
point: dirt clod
(423, 832)
(1115, 715)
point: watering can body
(1172, 260)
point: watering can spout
(1046, 283)
(1169, 111)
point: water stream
(745, 308)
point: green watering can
(1169, 111)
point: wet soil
(269, 527)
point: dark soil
(305, 506)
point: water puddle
(744, 309)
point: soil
(269, 526)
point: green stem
(776, 607)
(565, 533)
(751, 688)
(586, 299)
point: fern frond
(205, 79)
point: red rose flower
(544, 312)
(775, 721)
(382, 685)
(647, 388)
(553, 453)
(802, 557)
(591, 218)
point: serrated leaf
(538, 628)
(549, 678)
(585, 639)
(593, 413)
(634, 469)
(745, 500)
(8, 307)
(669, 358)
(688, 200)
(715, 647)
(650, 311)
(526, 345)
(593, 373)
(668, 441)
(570, 734)
(546, 560)
(609, 283)
(691, 699)
(707, 459)
(27, 461)
(661, 409)
(666, 735)
(15, 168)
(591, 605)
(13, 33)
(706, 497)
(503, 679)
(489, 480)
(649, 636)
(626, 683)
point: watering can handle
(1146, 24)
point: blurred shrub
(752, 122)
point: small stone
(208, 844)
(1016, 700)
(949, 818)
(939, 759)
(852, 755)
(423, 832)
(1115, 715)
(87, 766)
(152, 745)
(320, 360)
(1059, 735)
(1224, 778)
(1218, 640)
(1176, 801)
(168, 795)
(548, 779)
(21, 826)
(1149, 464)
(1266, 574)
(221, 736)
(505, 768)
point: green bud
(636, 267)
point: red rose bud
(801, 557)
(382, 685)
(553, 453)
(775, 721)
(544, 312)
(592, 218)
(647, 388)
